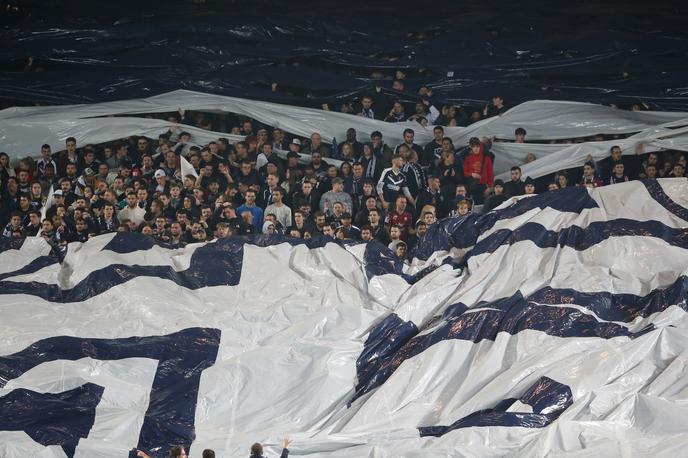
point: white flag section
(24, 129)
(187, 168)
(554, 326)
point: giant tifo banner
(24, 129)
(555, 325)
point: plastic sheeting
(612, 53)
(581, 349)
(23, 130)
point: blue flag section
(52, 419)
(169, 420)
(553, 325)
(547, 398)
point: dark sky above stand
(55, 51)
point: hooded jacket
(480, 163)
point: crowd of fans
(388, 193)
(179, 451)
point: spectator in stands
(380, 149)
(415, 175)
(432, 195)
(367, 110)
(251, 207)
(394, 237)
(397, 113)
(449, 170)
(378, 230)
(631, 163)
(477, 169)
(14, 225)
(370, 163)
(133, 211)
(281, 211)
(267, 155)
(562, 179)
(529, 188)
(515, 187)
(353, 143)
(108, 222)
(520, 135)
(495, 108)
(463, 207)
(651, 172)
(429, 218)
(393, 183)
(257, 449)
(351, 230)
(337, 194)
(409, 136)
(318, 165)
(400, 217)
(32, 226)
(362, 215)
(421, 230)
(46, 159)
(618, 175)
(433, 150)
(496, 198)
(317, 145)
(589, 178)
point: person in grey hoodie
(337, 194)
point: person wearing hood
(257, 449)
(478, 171)
(269, 228)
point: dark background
(84, 51)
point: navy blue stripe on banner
(618, 307)
(10, 243)
(548, 399)
(657, 193)
(52, 419)
(580, 238)
(380, 260)
(463, 232)
(182, 357)
(393, 332)
(32, 267)
(212, 264)
(511, 315)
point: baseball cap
(58, 193)
(159, 173)
(498, 182)
(296, 141)
(89, 171)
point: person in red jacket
(478, 171)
